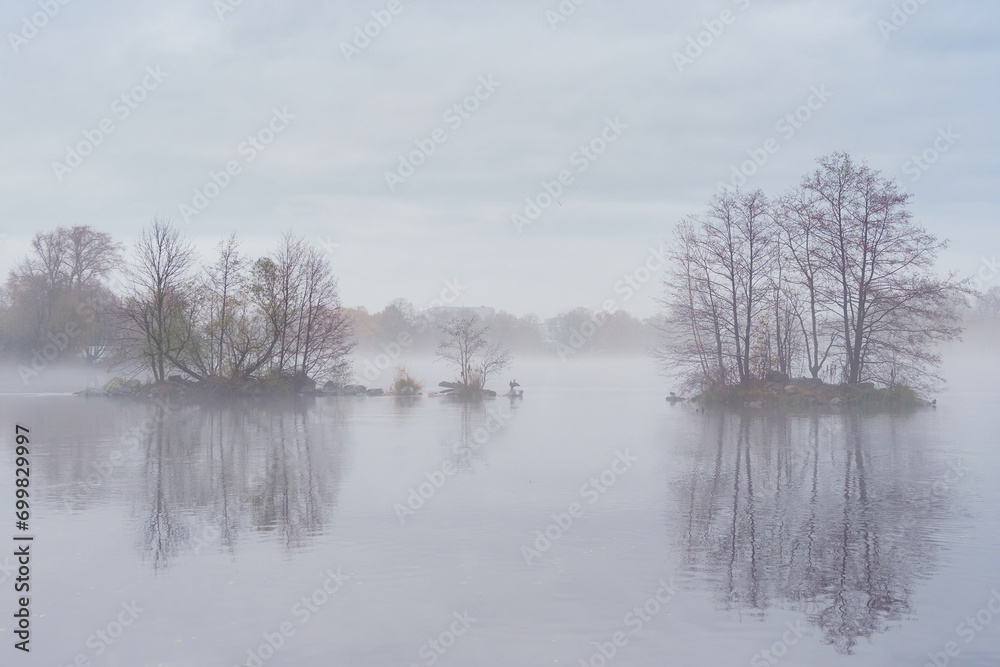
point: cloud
(325, 175)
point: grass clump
(403, 382)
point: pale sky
(182, 86)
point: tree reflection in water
(830, 515)
(221, 471)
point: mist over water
(589, 508)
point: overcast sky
(183, 85)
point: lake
(589, 523)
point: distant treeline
(578, 331)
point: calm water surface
(391, 532)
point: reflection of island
(481, 425)
(828, 515)
(213, 473)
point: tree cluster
(58, 297)
(231, 321)
(235, 319)
(833, 279)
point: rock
(354, 390)
(117, 386)
(776, 376)
(755, 404)
(835, 400)
(790, 389)
(375, 391)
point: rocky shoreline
(177, 388)
(780, 392)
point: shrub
(403, 380)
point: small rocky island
(776, 390)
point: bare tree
(324, 335)
(798, 221)
(158, 299)
(225, 282)
(467, 347)
(692, 326)
(89, 255)
(892, 307)
(739, 249)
